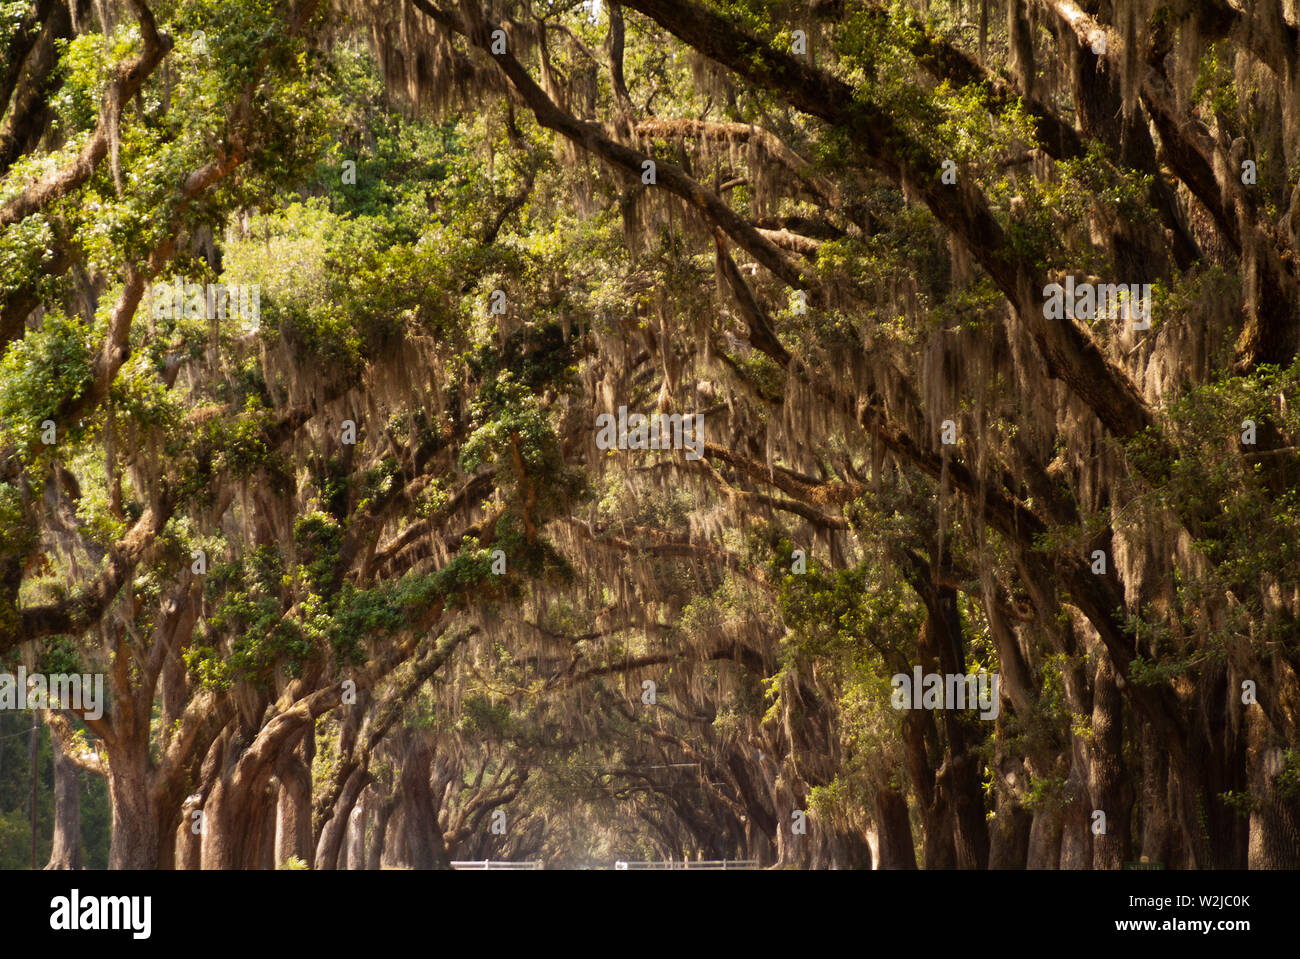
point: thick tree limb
(1068, 352)
(594, 139)
(127, 81)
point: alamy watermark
(213, 301)
(1088, 301)
(947, 691)
(660, 431)
(80, 693)
(75, 912)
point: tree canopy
(569, 431)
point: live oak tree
(426, 595)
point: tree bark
(379, 838)
(1045, 839)
(135, 813)
(896, 849)
(1274, 841)
(1107, 778)
(293, 805)
(356, 839)
(425, 847)
(332, 836)
(65, 851)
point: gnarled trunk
(135, 812)
(894, 831)
(65, 851)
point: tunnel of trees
(367, 589)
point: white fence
(494, 864)
(723, 864)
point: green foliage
(41, 375)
